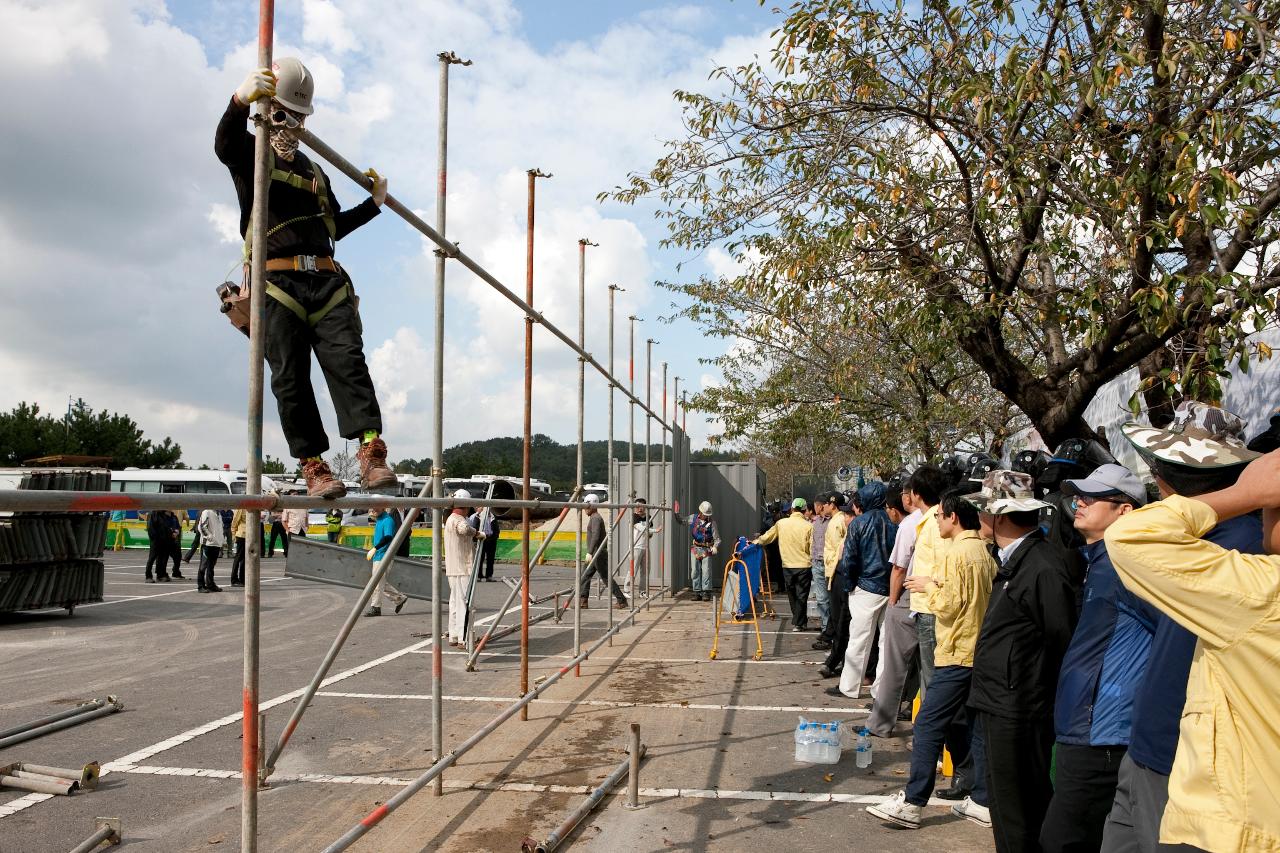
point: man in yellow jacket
(1224, 792)
(795, 542)
(957, 594)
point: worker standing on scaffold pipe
(312, 305)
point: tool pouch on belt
(234, 299)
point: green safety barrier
(133, 534)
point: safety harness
(318, 187)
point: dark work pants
(237, 562)
(338, 347)
(208, 559)
(599, 567)
(1084, 787)
(838, 625)
(837, 612)
(333, 535)
(153, 554)
(943, 721)
(489, 553)
(171, 550)
(798, 581)
(1015, 761)
(277, 532)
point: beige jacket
(459, 546)
(1224, 792)
(795, 540)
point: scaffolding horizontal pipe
(566, 828)
(33, 501)
(451, 250)
(375, 817)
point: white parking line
(601, 703)
(635, 659)
(159, 595)
(528, 787)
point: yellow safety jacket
(795, 540)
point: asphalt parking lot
(720, 773)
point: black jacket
(1027, 629)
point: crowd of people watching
(1093, 652)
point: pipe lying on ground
(561, 832)
(375, 817)
(86, 776)
(44, 785)
(108, 830)
(53, 718)
(92, 712)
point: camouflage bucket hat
(1201, 436)
(1004, 492)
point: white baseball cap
(591, 499)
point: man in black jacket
(312, 306)
(1024, 636)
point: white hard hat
(462, 494)
(705, 507)
(591, 499)
(294, 85)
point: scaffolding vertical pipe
(684, 408)
(533, 174)
(631, 461)
(437, 448)
(667, 530)
(648, 461)
(582, 380)
(613, 485)
(249, 746)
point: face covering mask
(283, 133)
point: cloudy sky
(116, 220)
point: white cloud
(226, 222)
(323, 24)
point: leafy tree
(416, 467)
(26, 434)
(272, 465)
(1061, 191)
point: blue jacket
(1157, 704)
(383, 532)
(864, 561)
(1104, 663)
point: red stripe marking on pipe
(101, 503)
(249, 755)
(288, 731)
(374, 816)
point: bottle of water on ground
(863, 749)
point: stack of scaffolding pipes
(24, 501)
(451, 250)
(375, 817)
(249, 746)
(58, 722)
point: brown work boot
(320, 480)
(375, 476)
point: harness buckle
(305, 263)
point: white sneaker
(969, 810)
(899, 811)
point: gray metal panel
(318, 560)
(735, 489)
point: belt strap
(340, 296)
(302, 263)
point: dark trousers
(161, 553)
(237, 562)
(928, 639)
(797, 581)
(1015, 763)
(208, 559)
(838, 612)
(837, 625)
(153, 554)
(943, 721)
(333, 535)
(1084, 787)
(277, 532)
(601, 567)
(489, 553)
(338, 347)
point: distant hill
(548, 459)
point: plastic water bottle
(830, 743)
(863, 749)
(804, 742)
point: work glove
(379, 189)
(715, 551)
(369, 554)
(259, 84)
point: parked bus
(181, 481)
